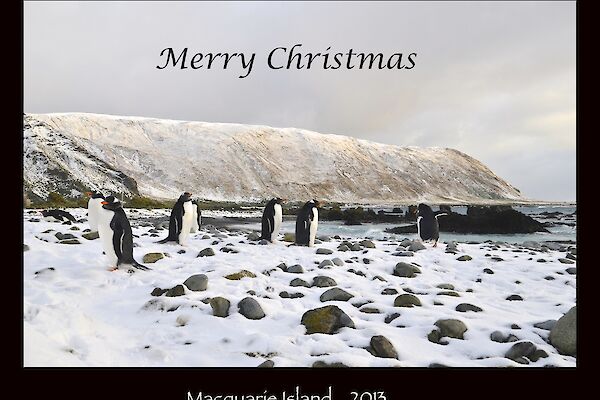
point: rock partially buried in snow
(150, 258)
(563, 335)
(158, 292)
(416, 246)
(325, 263)
(64, 236)
(500, 337)
(407, 300)
(250, 308)
(207, 252)
(253, 236)
(196, 283)
(239, 275)
(25, 247)
(514, 297)
(464, 307)
(405, 270)
(446, 286)
(266, 364)
(299, 282)
(289, 237)
(182, 320)
(175, 291)
(323, 250)
(367, 243)
(220, 306)
(328, 320)
(323, 364)
(453, 328)
(546, 325)
(522, 351)
(323, 281)
(335, 294)
(465, 258)
(338, 261)
(295, 269)
(91, 235)
(381, 347)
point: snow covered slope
(161, 158)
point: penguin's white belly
(94, 207)
(106, 236)
(313, 228)
(277, 224)
(186, 223)
(195, 226)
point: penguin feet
(112, 269)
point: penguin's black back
(122, 237)
(268, 220)
(175, 221)
(429, 228)
(305, 215)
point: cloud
(495, 80)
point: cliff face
(70, 153)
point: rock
(220, 306)
(250, 308)
(549, 278)
(196, 283)
(25, 247)
(343, 247)
(389, 291)
(465, 258)
(286, 295)
(323, 364)
(563, 335)
(338, 261)
(381, 347)
(282, 267)
(447, 286)
(434, 336)
(571, 271)
(64, 236)
(499, 337)
(546, 325)
(253, 236)
(328, 319)
(539, 353)
(488, 271)
(70, 241)
(289, 237)
(322, 250)
(266, 364)
(295, 269)
(453, 328)
(464, 307)
(541, 260)
(323, 281)
(182, 320)
(437, 365)
(367, 243)
(366, 261)
(355, 247)
(299, 282)
(325, 263)
(515, 326)
(324, 238)
(335, 294)
(391, 317)
(226, 249)
(207, 252)
(239, 275)
(521, 349)
(407, 300)
(370, 310)
(449, 293)
(263, 242)
(158, 292)
(182, 251)
(175, 291)
(514, 297)
(497, 259)
(91, 235)
(404, 254)
(571, 256)
(406, 270)
(416, 246)
(150, 258)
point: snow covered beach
(76, 313)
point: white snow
(80, 314)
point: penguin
(181, 220)
(271, 219)
(116, 235)
(57, 216)
(428, 227)
(94, 206)
(197, 221)
(307, 222)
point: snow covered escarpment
(161, 158)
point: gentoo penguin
(115, 234)
(94, 206)
(197, 221)
(306, 223)
(427, 224)
(57, 215)
(181, 220)
(271, 219)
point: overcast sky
(495, 80)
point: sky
(495, 80)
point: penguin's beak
(104, 202)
